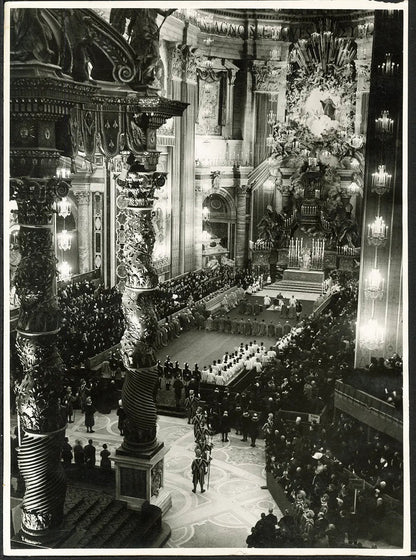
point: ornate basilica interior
(188, 182)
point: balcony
(369, 410)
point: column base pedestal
(139, 479)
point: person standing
(245, 425)
(79, 454)
(89, 410)
(66, 453)
(89, 454)
(191, 405)
(69, 401)
(298, 309)
(225, 426)
(254, 429)
(105, 463)
(177, 387)
(199, 470)
(121, 417)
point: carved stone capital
(82, 197)
(268, 75)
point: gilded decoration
(316, 141)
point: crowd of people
(174, 295)
(85, 457)
(92, 321)
(309, 461)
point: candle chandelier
(64, 207)
(64, 270)
(388, 67)
(64, 240)
(377, 232)
(372, 335)
(374, 285)
(380, 180)
(384, 124)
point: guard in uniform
(199, 470)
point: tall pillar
(41, 421)
(198, 218)
(139, 460)
(242, 226)
(84, 231)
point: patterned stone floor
(224, 514)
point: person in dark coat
(66, 452)
(89, 415)
(271, 519)
(177, 387)
(254, 429)
(79, 456)
(245, 425)
(225, 426)
(89, 454)
(105, 463)
(121, 417)
(69, 401)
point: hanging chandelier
(380, 180)
(64, 270)
(372, 335)
(384, 124)
(377, 232)
(64, 240)
(388, 67)
(374, 285)
(64, 207)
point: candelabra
(374, 285)
(372, 335)
(384, 124)
(388, 67)
(380, 180)
(318, 253)
(377, 232)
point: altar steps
(296, 286)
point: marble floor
(221, 517)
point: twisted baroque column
(41, 421)
(140, 278)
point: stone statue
(29, 35)
(143, 34)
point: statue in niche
(143, 34)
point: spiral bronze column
(139, 278)
(41, 420)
